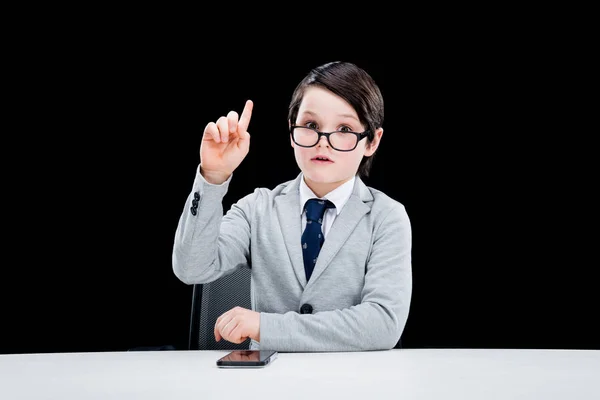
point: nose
(323, 142)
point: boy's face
(327, 112)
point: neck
(320, 189)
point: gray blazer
(361, 286)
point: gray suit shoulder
(263, 192)
(385, 204)
(261, 199)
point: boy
(330, 257)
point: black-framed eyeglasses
(304, 136)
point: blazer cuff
(202, 186)
(272, 327)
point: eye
(345, 128)
(311, 124)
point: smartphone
(247, 359)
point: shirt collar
(339, 196)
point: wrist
(214, 177)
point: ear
(291, 140)
(372, 147)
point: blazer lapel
(290, 220)
(342, 227)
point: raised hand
(225, 144)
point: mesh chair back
(210, 300)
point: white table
(464, 374)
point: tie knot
(315, 208)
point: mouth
(321, 160)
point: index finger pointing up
(245, 117)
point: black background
(107, 143)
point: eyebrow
(339, 115)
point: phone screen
(247, 358)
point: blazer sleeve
(377, 322)
(208, 245)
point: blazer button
(194, 210)
(306, 309)
(196, 195)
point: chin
(321, 177)
(315, 177)
(320, 174)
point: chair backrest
(210, 300)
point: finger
(236, 334)
(218, 325)
(219, 329)
(232, 120)
(216, 331)
(229, 328)
(212, 131)
(223, 129)
(245, 118)
(244, 144)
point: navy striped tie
(312, 238)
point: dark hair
(354, 85)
